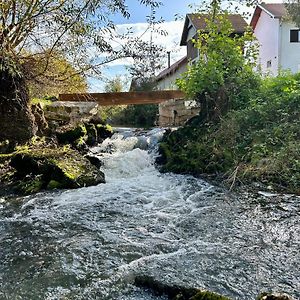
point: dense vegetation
(131, 115)
(248, 128)
(259, 142)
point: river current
(91, 243)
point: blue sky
(167, 11)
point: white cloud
(170, 42)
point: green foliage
(293, 8)
(42, 101)
(259, 142)
(137, 115)
(114, 85)
(222, 78)
(52, 76)
(111, 112)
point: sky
(173, 13)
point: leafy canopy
(77, 29)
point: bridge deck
(124, 98)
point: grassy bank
(258, 143)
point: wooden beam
(124, 98)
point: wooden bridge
(124, 98)
(173, 108)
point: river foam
(91, 243)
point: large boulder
(49, 168)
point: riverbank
(258, 144)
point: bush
(259, 142)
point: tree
(223, 76)
(73, 29)
(293, 8)
(59, 77)
(114, 85)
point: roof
(277, 10)
(274, 10)
(173, 68)
(198, 21)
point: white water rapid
(91, 243)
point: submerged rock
(274, 296)
(175, 292)
(46, 168)
(95, 160)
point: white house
(278, 37)
(166, 80)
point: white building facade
(278, 38)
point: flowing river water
(91, 243)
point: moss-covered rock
(71, 135)
(53, 185)
(103, 132)
(175, 292)
(95, 160)
(30, 185)
(4, 146)
(92, 135)
(274, 296)
(49, 168)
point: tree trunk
(16, 120)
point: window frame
(295, 35)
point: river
(91, 243)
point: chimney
(169, 59)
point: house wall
(290, 52)
(168, 83)
(267, 34)
(192, 51)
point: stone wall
(63, 113)
(176, 112)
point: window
(295, 36)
